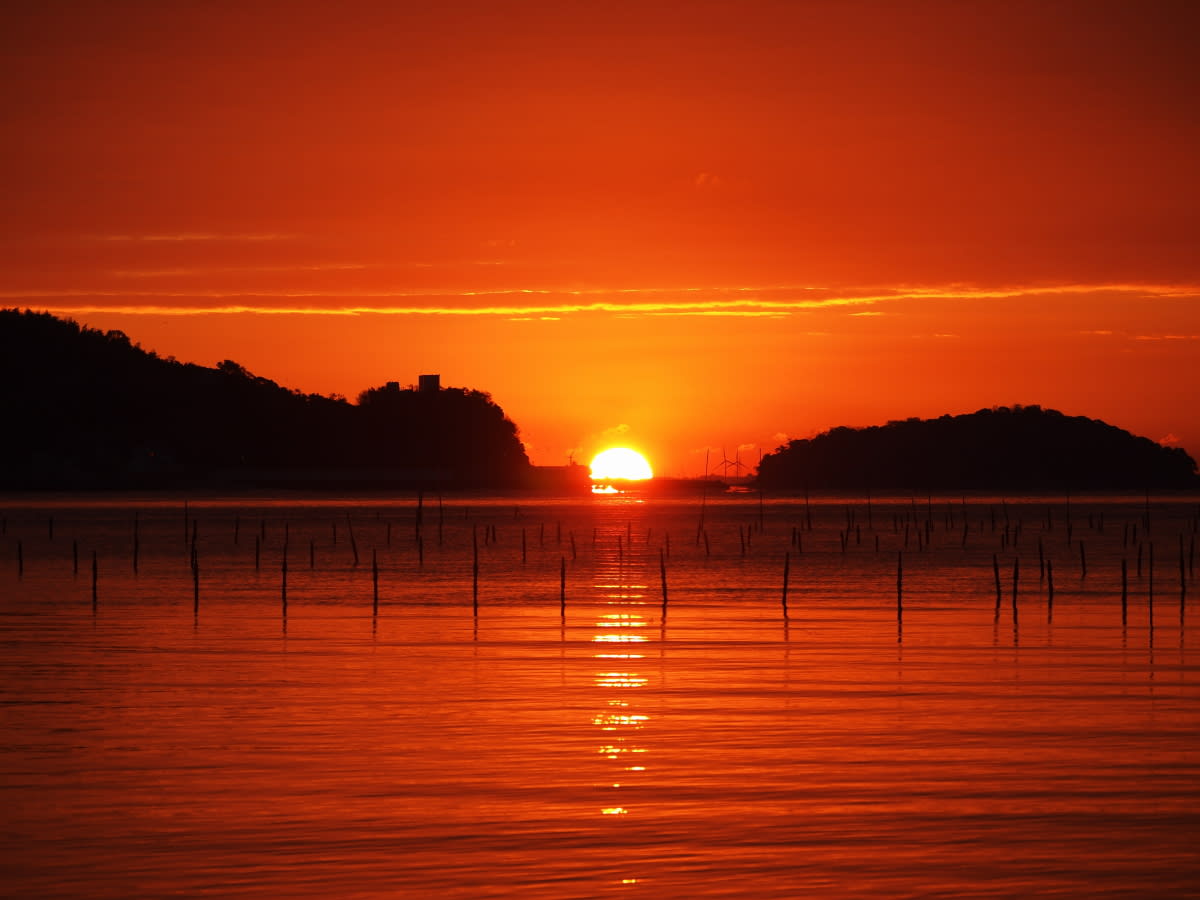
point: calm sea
(488, 697)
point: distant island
(1019, 448)
(88, 409)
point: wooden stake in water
(787, 568)
(1082, 561)
(1182, 568)
(1150, 574)
(353, 542)
(1150, 583)
(899, 592)
(95, 580)
(136, 542)
(374, 582)
(662, 574)
(1124, 592)
(475, 571)
(257, 552)
(283, 580)
(996, 572)
(562, 585)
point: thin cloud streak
(185, 272)
(195, 237)
(674, 301)
(300, 268)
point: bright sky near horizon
(670, 226)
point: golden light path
(622, 463)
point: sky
(697, 229)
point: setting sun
(621, 462)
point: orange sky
(687, 225)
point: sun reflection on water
(620, 679)
(619, 638)
(619, 721)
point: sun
(620, 462)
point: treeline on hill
(87, 408)
(1025, 447)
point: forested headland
(83, 408)
(1017, 448)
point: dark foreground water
(235, 730)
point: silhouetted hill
(86, 408)
(1025, 447)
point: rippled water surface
(923, 715)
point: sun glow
(622, 463)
